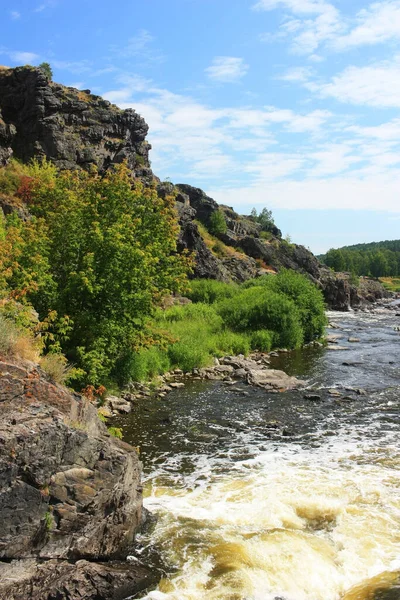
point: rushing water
(274, 496)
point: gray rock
(68, 490)
(71, 127)
(271, 379)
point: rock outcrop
(70, 494)
(70, 127)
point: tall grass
(15, 342)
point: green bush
(306, 296)
(262, 340)
(217, 224)
(229, 342)
(144, 365)
(210, 290)
(188, 354)
(259, 308)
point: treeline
(84, 276)
(377, 259)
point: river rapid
(263, 496)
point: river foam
(299, 524)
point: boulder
(272, 379)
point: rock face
(68, 490)
(341, 294)
(70, 127)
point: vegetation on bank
(84, 277)
(377, 259)
(392, 284)
(282, 311)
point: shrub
(217, 223)
(259, 308)
(210, 290)
(262, 340)
(115, 432)
(308, 299)
(47, 70)
(306, 296)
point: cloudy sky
(289, 104)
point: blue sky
(289, 104)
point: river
(276, 496)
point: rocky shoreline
(70, 495)
(253, 370)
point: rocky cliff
(70, 494)
(76, 129)
(72, 128)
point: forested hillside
(376, 259)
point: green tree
(217, 223)
(107, 253)
(47, 70)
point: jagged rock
(203, 204)
(7, 133)
(27, 579)
(68, 490)
(72, 128)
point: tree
(217, 224)
(107, 254)
(47, 70)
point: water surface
(263, 496)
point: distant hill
(376, 259)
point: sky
(291, 105)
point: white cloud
(15, 15)
(377, 84)
(318, 22)
(378, 23)
(141, 45)
(198, 141)
(227, 69)
(47, 4)
(294, 74)
(83, 66)
(23, 57)
(296, 6)
(385, 131)
(375, 192)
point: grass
(56, 366)
(16, 342)
(216, 246)
(392, 284)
